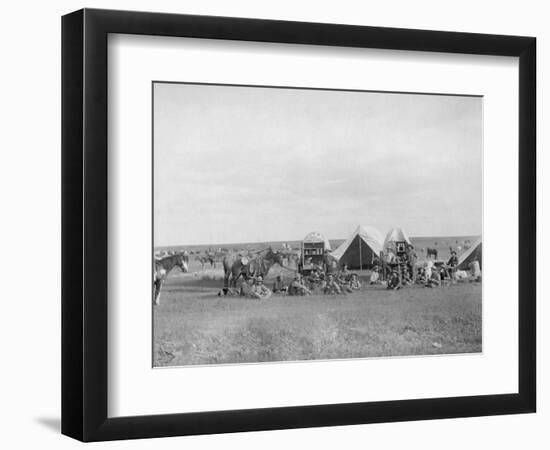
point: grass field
(192, 325)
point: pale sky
(246, 164)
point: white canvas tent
(360, 248)
(474, 252)
(396, 235)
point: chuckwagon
(313, 251)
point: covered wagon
(313, 251)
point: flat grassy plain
(194, 326)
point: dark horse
(431, 252)
(163, 266)
(206, 259)
(235, 266)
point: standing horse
(211, 258)
(163, 266)
(206, 259)
(235, 266)
(292, 258)
(431, 252)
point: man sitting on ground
(247, 288)
(297, 287)
(278, 285)
(461, 275)
(435, 279)
(344, 279)
(345, 286)
(316, 279)
(428, 268)
(260, 290)
(344, 274)
(394, 280)
(354, 283)
(375, 275)
(332, 286)
(403, 268)
(420, 275)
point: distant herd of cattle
(292, 254)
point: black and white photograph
(275, 225)
(300, 224)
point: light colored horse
(292, 258)
(163, 266)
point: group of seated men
(403, 273)
(316, 282)
(319, 281)
(430, 274)
(344, 281)
(395, 270)
(253, 287)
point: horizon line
(217, 244)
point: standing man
(413, 258)
(331, 262)
(475, 270)
(403, 265)
(452, 264)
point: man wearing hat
(435, 279)
(452, 264)
(394, 280)
(297, 287)
(331, 262)
(344, 275)
(315, 278)
(278, 285)
(413, 258)
(354, 283)
(332, 287)
(247, 288)
(260, 290)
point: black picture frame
(84, 224)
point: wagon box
(313, 251)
